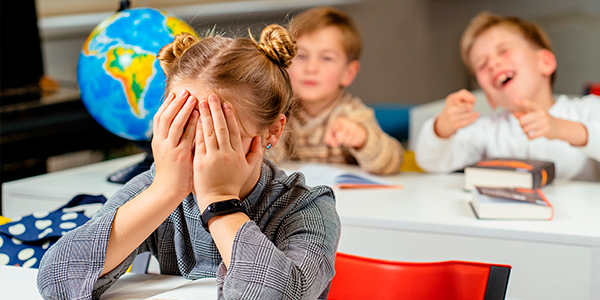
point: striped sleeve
(381, 154)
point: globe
(119, 76)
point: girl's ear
(275, 131)
(351, 71)
(547, 62)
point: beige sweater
(304, 139)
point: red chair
(367, 278)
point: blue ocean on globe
(119, 76)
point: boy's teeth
(501, 79)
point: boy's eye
(480, 66)
(327, 58)
(301, 56)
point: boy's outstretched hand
(537, 122)
(344, 131)
(457, 114)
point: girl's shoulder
(294, 187)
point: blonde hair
(251, 75)
(320, 17)
(484, 21)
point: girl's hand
(457, 113)
(343, 131)
(174, 128)
(221, 166)
(535, 120)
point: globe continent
(119, 76)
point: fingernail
(204, 104)
(213, 98)
(226, 106)
(182, 93)
(191, 99)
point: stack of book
(510, 188)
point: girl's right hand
(173, 142)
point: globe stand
(124, 175)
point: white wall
(411, 50)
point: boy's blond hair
(324, 16)
(485, 20)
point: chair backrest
(366, 278)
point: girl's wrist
(168, 192)
(205, 200)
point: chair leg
(497, 283)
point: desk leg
(595, 282)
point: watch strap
(221, 208)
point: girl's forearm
(135, 221)
(223, 230)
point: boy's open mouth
(504, 78)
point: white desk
(428, 220)
(20, 283)
(49, 191)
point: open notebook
(342, 176)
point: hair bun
(175, 49)
(278, 45)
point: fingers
(526, 105)
(461, 97)
(468, 119)
(256, 151)
(330, 133)
(200, 144)
(219, 122)
(188, 135)
(166, 117)
(234, 129)
(182, 118)
(160, 111)
(208, 130)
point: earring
(269, 146)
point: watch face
(225, 205)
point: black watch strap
(219, 209)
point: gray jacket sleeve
(70, 269)
(298, 264)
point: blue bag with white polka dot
(23, 241)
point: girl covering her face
(211, 205)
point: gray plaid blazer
(286, 251)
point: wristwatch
(219, 209)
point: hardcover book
(511, 203)
(509, 172)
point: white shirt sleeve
(591, 121)
(465, 147)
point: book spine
(547, 203)
(543, 176)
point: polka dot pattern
(23, 241)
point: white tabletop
(20, 283)
(438, 203)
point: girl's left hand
(221, 166)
